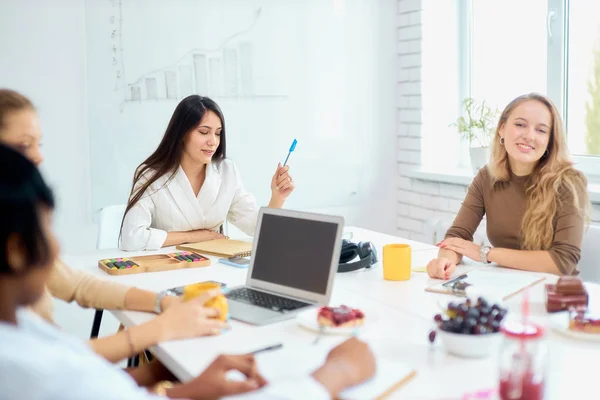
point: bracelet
(161, 388)
(130, 342)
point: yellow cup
(219, 302)
(396, 262)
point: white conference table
(401, 315)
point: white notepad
(500, 284)
(302, 360)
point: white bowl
(470, 346)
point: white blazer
(171, 206)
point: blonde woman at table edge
(187, 188)
(535, 201)
(39, 361)
(20, 129)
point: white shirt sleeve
(302, 389)
(41, 363)
(243, 212)
(137, 233)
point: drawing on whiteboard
(276, 68)
(117, 43)
(225, 71)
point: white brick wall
(406, 6)
(419, 201)
(409, 143)
(596, 213)
(411, 214)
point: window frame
(557, 34)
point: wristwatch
(483, 253)
(159, 296)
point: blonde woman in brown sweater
(534, 200)
(20, 129)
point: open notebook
(497, 284)
(220, 247)
(301, 360)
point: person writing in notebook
(187, 188)
(20, 130)
(535, 201)
(41, 362)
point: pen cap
(293, 146)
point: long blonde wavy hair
(553, 178)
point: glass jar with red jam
(523, 358)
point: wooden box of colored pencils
(153, 263)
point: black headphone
(365, 250)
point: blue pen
(292, 147)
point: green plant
(478, 124)
(592, 108)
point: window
(440, 60)
(546, 46)
(509, 48)
(581, 45)
(508, 51)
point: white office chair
(109, 226)
(234, 232)
(436, 230)
(589, 264)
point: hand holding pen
(282, 184)
(292, 148)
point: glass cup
(219, 301)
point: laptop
(295, 256)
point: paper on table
(501, 284)
(302, 360)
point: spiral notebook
(220, 247)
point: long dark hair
(166, 158)
(22, 192)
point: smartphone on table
(179, 290)
(238, 262)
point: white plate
(308, 320)
(560, 323)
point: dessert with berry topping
(340, 317)
(581, 320)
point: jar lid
(518, 330)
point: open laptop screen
(294, 252)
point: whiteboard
(279, 69)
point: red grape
(432, 336)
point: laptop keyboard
(265, 300)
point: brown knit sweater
(504, 206)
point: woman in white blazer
(187, 189)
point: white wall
(42, 47)
(47, 62)
(43, 55)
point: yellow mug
(219, 301)
(396, 262)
